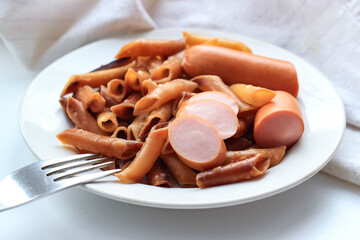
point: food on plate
(220, 115)
(195, 112)
(240, 67)
(192, 39)
(255, 96)
(279, 122)
(207, 151)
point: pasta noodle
(163, 93)
(273, 154)
(133, 79)
(169, 70)
(184, 175)
(92, 142)
(151, 47)
(255, 96)
(81, 117)
(109, 101)
(195, 39)
(233, 172)
(159, 175)
(107, 121)
(90, 98)
(125, 109)
(146, 157)
(94, 79)
(121, 131)
(159, 115)
(117, 89)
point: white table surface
(321, 208)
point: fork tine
(89, 177)
(80, 170)
(58, 161)
(77, 164)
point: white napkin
(325, 33)
(38, 32)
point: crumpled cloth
(326, 33)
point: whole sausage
(278, 122)
(239, 67)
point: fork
(43, 178)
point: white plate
(41, 118)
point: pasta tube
(94, 79)
(163, 93)
(255, 96)
(91, 142)
(195, 39)
(151, 47)
(169, 70)
(184, 175)
(109, 101)
(125, 109)
(121, 131)
(107, 121)
(159, 175)
(117, 89)
(233, 172)
(273, 154)
(133, 79)
(159, 115)
(81, 117)
(135, 127)
(147, 86)
(90, 98)
(147, 155)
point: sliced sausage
(279, 122)
(220, 115)
(217, 96)
(239, 67)
(196, 142)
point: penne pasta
(147, 86)
(214, 83)
(91, 142)
(159, 115)
(147, 155)
(163, 93)
(169, 70)
(121, 131)
(125, 109)
(148, 63)
(159, 175)
(151, 47)
(184, 175)
(242, 127)
(90, 98)
(107, 121)
(195, 39)
(275, 155)
(81, 117)
(133, 79)
(255, 96)
(114, 64)
(94, 79)
(135, 127)
(117, 89)
(109, 101)
(233, 172)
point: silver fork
(43, 178)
